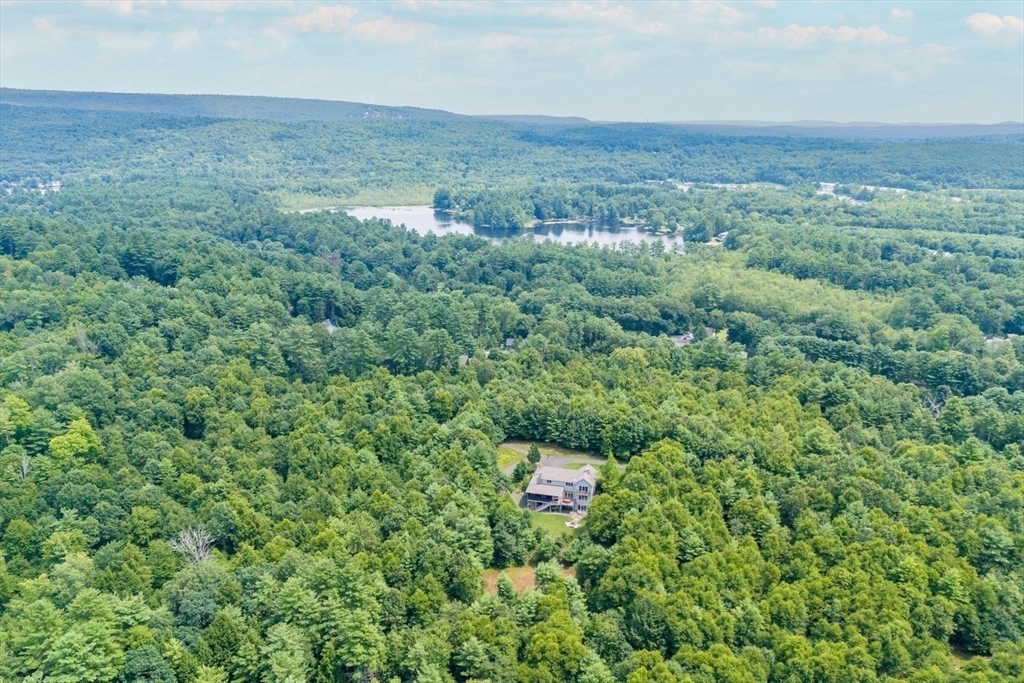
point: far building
(555, 489)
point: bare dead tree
(84, 344)
(24, 466)
(933, 404)
(194, 542)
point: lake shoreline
(589, 223)
(425, 219)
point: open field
(521, 577)
(404, 195)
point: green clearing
(508, 457)
(546, 449)
(552, 522)
(522, 577)
(403, 195)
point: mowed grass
(521, 577)
(546, 449)
(508, 457)
(554, 523)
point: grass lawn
(508, 456)
(552, 522)
(545, 449)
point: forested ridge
(335, 159)
(240, 444)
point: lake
(423, 220)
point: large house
(554, 489)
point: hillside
(218, 106)
(295, 109)
(403, 154)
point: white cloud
(48, 29)
(796, 36)
(501, 42)
(112, 41)
(767, 4)
(990, 24)
(341, 18)
(124, 42)
(267, 45)
(388, 30)
(573, 11)
(323, 19)
(184, 39)
(118, 6)
(617, 62)
(228, 5)
(128, 6)
(746, 67)
(898, 14)
(717, 10)
(611, 15)
(863, 71)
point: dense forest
(672, 207)
(337, 159)
(244, 444)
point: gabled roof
(565, 476)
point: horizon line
(692, 122)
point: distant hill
(220, 106)
(294, 109)
(537, 119)
(250, 107)
(834, 129)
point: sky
(763, 60)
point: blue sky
(936, 61)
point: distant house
(554, 489)
(331, 327)
(463, 360)
(690, 337)
(509, 344)
(682, 339)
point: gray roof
(545, 490)
(563, 475)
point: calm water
(423, 219)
